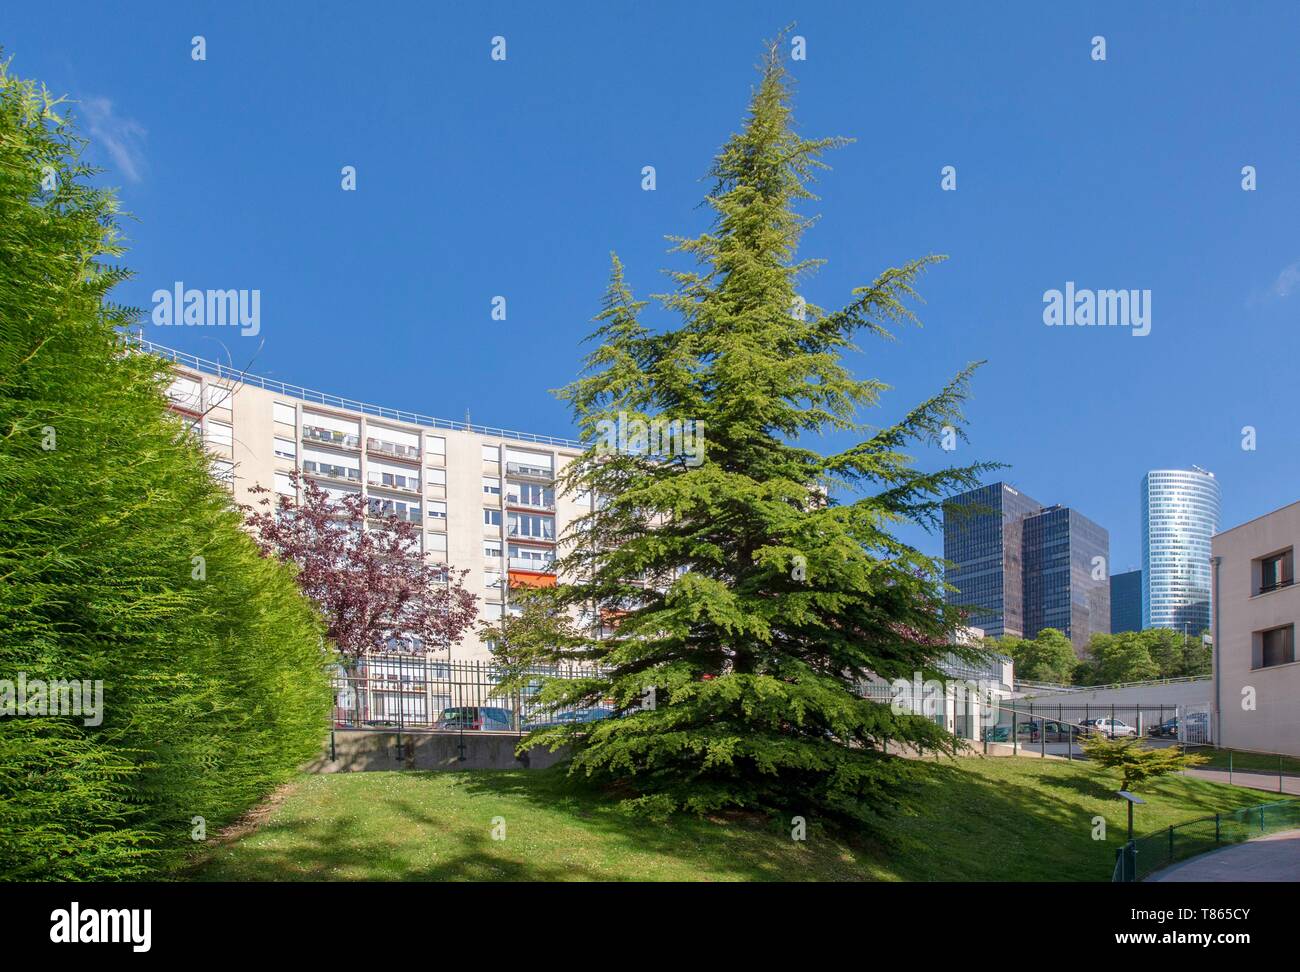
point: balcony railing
(529, 472)
(410, 515)
(331, 472)
(333, 401)
(528, 563)
(542, 506)
(408, 484)
(1276, 585)
(312, 433)
(395, 449)
(518, 534)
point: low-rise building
(1256, 606)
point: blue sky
(479, 178)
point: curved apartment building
(484, 498)
(1180, 515)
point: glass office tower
(1180, 513)
(1066, 583)
(1126, 601)
(982, 531)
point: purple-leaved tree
(365, 572)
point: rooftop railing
(219, 370)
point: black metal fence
(1141, 856)
(1188, 724)
(408, 692)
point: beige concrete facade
(1257, 606)
(448, 477)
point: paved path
(1256, 781)
(1272, 858)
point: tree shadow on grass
(954, 826)
(957, 825)
(347, 849)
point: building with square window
(484, 498)
(1256, 608)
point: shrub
(214, 679)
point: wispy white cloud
(1287, 282)
(122, 138)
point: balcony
(410, 515)
(341, 440)
(528, 563)
(324, 470)
(520, 579)
(514, 533)
(394, 449)
(401, 484)
(541, 506)
(539, 473)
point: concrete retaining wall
(358, 751)
(1151, 695)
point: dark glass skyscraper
(1126, 601)
(982, 543)
(1020, 567)
(1066, 584)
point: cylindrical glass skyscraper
(1180, 513)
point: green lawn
(972, 819)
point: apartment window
(530, 525)
(531, 494)
(1277, 647)
(491, 453)
(492, 551)
(491, 579)
(491, 612)
(284, 484)
(436, 543)
(492, 518)
(492, 486)
(1276, 570)
(286, 448)
(223, 470)
(437, 511)
(219, 433)
(435, 445)
(436, 477)
(286, 414)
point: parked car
(1112, 727)
(570, 717)
(476, 717)
(1060, 731)
(1165, 730)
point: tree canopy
(744, 590)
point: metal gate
(1194, 725)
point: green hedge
(214, 689)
